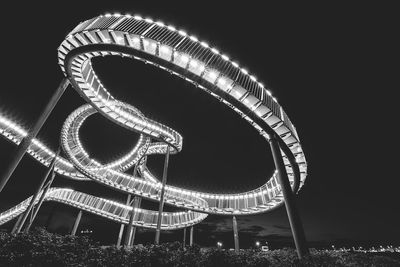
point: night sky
(330, 66)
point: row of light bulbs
(202, 43)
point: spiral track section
(195, 61)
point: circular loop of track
(183, 55)
(175, 51)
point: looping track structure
(175, 51)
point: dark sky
(331, 66)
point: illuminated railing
(38, 150)
(109, 209)
(255, 201)
(177, 52)
(197, 62)
(259, 199)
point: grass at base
(40, 248)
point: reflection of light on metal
(213, 74)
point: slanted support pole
(17, 223)
(191, 236)
(76, 224)
(235, 233)
(135, 203)
(132, 239)
(131, 229)
(138, 202)
(121, 228)
(34, 197)
(25, 143)
(290, 202)
(161, 205)
(39, 204)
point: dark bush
(40, 248)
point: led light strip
(185, 56)
(175, 51)
(110, 209)
(38, 150)
(256, 201)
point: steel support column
(39, 204)
(184, 237)
(161, 205)
(121, 228)
(17, 223)
(290, 202)
(25, 143)
(135, 169)
(33, 199)
(191, 236)
(131, 229)
(132, 238)
(235, 233)
(76, 224)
